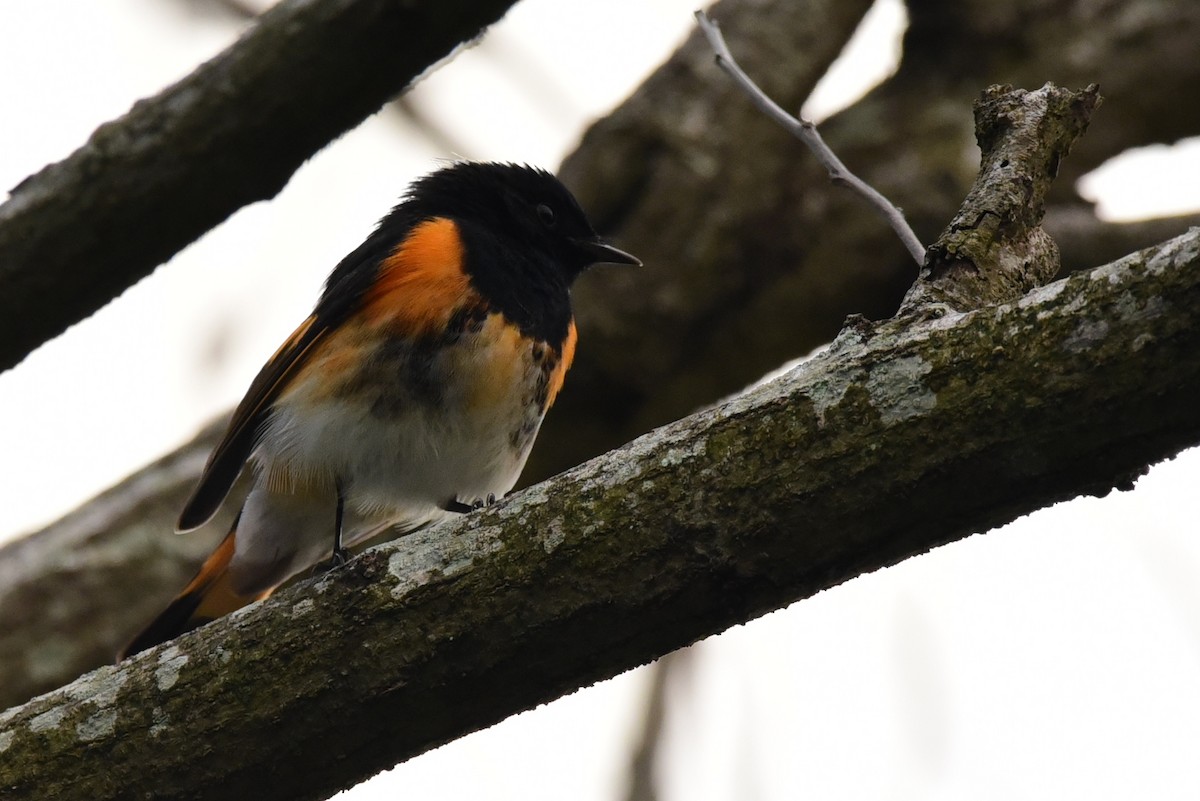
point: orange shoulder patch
(422, 282)
(564, 364)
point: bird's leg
(340, 555)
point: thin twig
(807, 133)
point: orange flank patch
(564, 364)
(211, 585)
(213, 566)
(422, 283)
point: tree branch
(78, 233)
(751, 276)
(995, 250)
(743, 278)
(895, 440)
(898, 438)
(806, 132)
(114, 560)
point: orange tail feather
(207, 597)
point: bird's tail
(207, 597)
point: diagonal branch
(114, 561)
(898, 438)
(895, 440)
(81, 231)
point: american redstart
(413, 391)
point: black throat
(523, 284)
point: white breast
(421, 427)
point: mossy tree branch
(81, 231)
(897, 439)
(114, 560)
(900, 437)
(755, 259)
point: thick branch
(78, 233)
(895, 440)
(754, 258)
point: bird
(413, 392)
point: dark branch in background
(403, 106)
(72, 593)
(1142, 57)
(806, 132)
(236, 9)
(437, 135)
(78, 233)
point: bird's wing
(348, 284)
(231, 453)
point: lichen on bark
(995, 248)
(898, 438)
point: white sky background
(1056, 657)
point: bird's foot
(458, 507)
(339, 558)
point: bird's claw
(458, 507)
(338, 559)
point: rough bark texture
(140, 572)
(78, 233)
(727, 294)
(895, 440)
(995, 247)
(785, 256)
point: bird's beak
(604, 253)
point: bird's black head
(524, 238)
(515, 209)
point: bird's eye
(546, 215)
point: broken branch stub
(994, 249)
